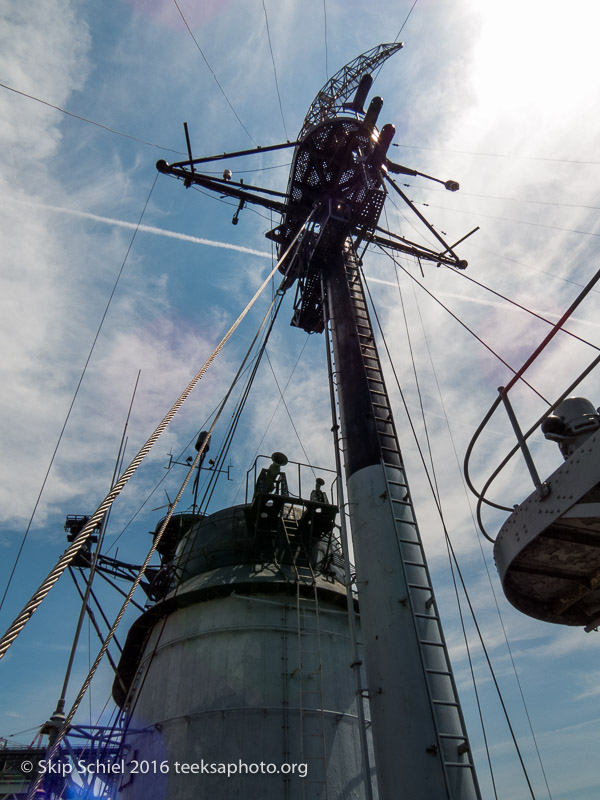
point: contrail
(151, 229)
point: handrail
(515, 449)
(503, 391)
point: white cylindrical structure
(240, 683)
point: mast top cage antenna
(331, 104)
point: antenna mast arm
(236, 154)
(447, 248)
(221, 185)
(418, 251)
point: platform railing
(521, 436)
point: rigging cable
(405, 21)
(523, 308)
(437, 494)
(91, 121)
(414, 366)
(77, 388)
(496, 155)
(458, 464)
(507, 199)
(35, 601)
(451, 548)
(285, 405)
(274, 70)
(325, 37)
(471, 667)
(499, 255)
(527, 266)
(509, 219)
(276, 300)
(281, 396)
(398, 34)
(479, 339)
(228, 439)
(437, 501)
(164, 477)
(214, 74)
(275, 305)
(408, 220)
(345, 545)
(489, 663)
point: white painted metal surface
(548, 550)
(407, 661)
(220, 682)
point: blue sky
(501, 96)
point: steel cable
(274, 70)
(90, 121)
(75, 394)
(452, 554)
(78, 543)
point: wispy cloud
(119, 223)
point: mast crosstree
(338, 180)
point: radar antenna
(345, 82)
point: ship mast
(335, 195)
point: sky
(500, 96)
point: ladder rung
(438, 672)
(451, 703)
(420, 586)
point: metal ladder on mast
(452, 742)
(310, 666)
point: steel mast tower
(334, 198)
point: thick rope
(64, 729)
(71, 552)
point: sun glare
(536, 55)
